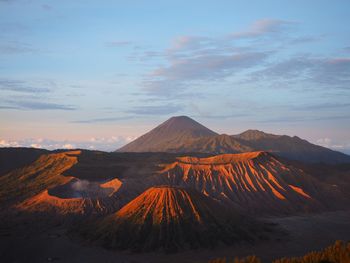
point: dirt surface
(31, 242)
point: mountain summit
(172, 135)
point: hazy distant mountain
(184, 135)
(293, 148)
(174, 135)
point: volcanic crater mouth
(77, 188)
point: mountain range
(184, 135)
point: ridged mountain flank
(170, 218)
(255, 182)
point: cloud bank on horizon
(72, 71)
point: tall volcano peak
(170, 136)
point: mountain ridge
(184, 135)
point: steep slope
(171, 136)
(256, 182)
(292, 148)
(170, 218)
(47, 171)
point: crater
(77, 188)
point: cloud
(293, 119)
(15, 47)
(173, 78)
(189, 43)
(156, 110)
(206, 67)
(322, 106)
(35, 105)
(12, 27)
(104, 143)
(118, 43)
(346, 49)
(343, 146)
(35, 94)
(194, 61)
(135, 112)
(191, 60)
(307, 69)
(108, 119)
(305, 39)
(46, 7)
(263, 27)
(23, 86)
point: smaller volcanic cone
(169, 219)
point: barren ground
(26, 243)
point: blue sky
(97, 74)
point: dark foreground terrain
(32, 243)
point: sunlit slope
(47, 171)
(256, 182)
(170, 218)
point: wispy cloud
(173, 79)
(46, 7)
(193, 59)
(294, 119)
(156, 110)
(324, 72)
(263, 27)
(37, 94)
(322, 106)
(107, 119)
(118, 43)
(34, 105)
(15, 47)
(24, 86)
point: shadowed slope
(14, 158)
(217, 144)
(171, 218)
(292, 148)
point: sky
(98, 74)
